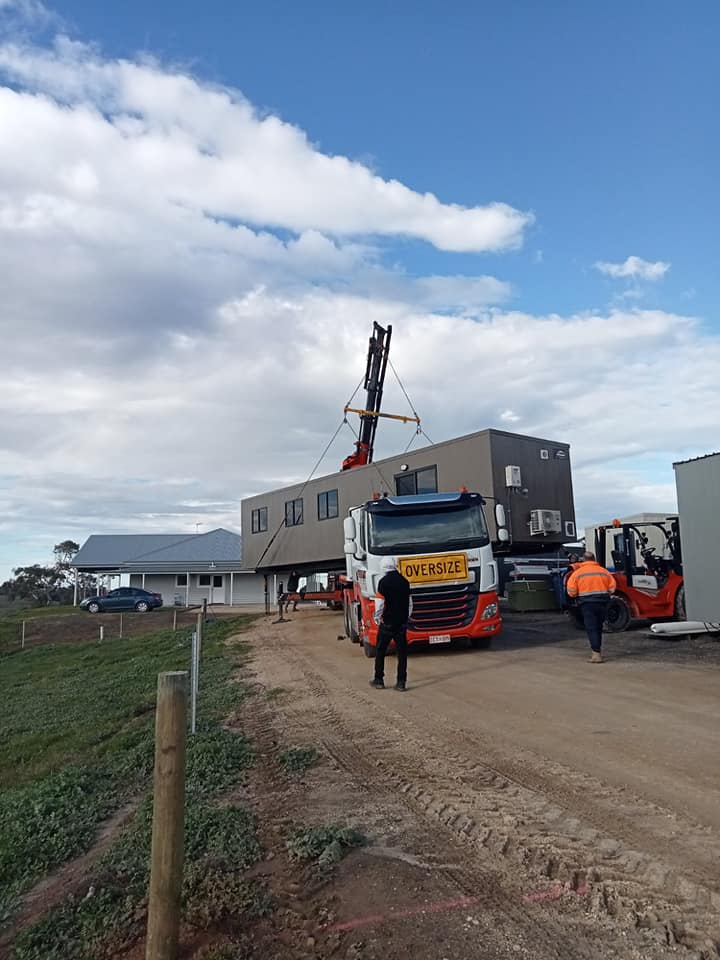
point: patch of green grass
(275, 694)
(32, 613)
(297, 760)
(323, 846)
(78, 742)
(234, 950)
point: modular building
(301, 526)
(698, 490)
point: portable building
(698, 490)
(301, 525)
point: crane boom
(377, 360)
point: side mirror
(499, 515)
(349, 529)
(503, 535)
(350, 548)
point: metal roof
(158, 551)
(705, 456)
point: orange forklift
(649, 586)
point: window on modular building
(293, 513)
(217, 580)
(327, 505)
(416, 481)
(260, 520)
(181, 580)
(203, 579)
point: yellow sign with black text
(434, 569)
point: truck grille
(442, 608)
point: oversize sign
(450, 566)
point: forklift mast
(377, 361)
(633, 537)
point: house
(301, 525)
(184, 568)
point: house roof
(158, 552)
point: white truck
(441, 544)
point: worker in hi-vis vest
(393, 606)
(592, 586)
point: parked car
(124, 598)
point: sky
(204, 207)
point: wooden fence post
(166, 869)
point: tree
(65, 551)
(38, 584)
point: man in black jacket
(393, 606)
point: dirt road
(520, 801)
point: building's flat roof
(705, 456)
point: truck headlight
(490, 611)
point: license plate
(440, 638)
(434, 569)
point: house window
(203, 579)
(327, 505)
(217, 580)
(259, 520)
(181, 580)
(293, 513)
(416, 481)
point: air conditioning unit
(513, 478)
(543, 522)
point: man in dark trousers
(393, 606)
(592, 586)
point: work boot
(596, 657)
(400, 686)
(377, 684)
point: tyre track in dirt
(490, 885)
(504, 815)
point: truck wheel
(369, 649)
(480, 643)
(680, 612)
(618, 616)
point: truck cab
(441, 544)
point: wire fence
(22, 634)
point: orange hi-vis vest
(590, 581)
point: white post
(143, 581)
(187, 589)
(22, 642)
(193, 680)
(195, 671)
(232, 586)
(102, 633)
(75, 591)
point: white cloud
(634, 268)
(206, 151)
(167, 350)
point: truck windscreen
(425, 530)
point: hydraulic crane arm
(377, 360)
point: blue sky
(596, 124)
(601, 118)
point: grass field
(77, 745)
